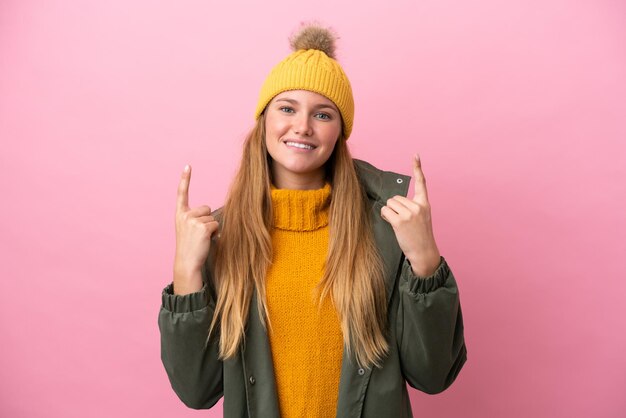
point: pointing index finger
(420, 181)
(182, 198)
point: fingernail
(187, 168)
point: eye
(285, 107)
(327, 116)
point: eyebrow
(319, 106)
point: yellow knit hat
(312, 66)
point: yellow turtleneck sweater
(307, 343)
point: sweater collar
(300, 210)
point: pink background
(516, 107)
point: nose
(302, 125)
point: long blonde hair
(353, 272)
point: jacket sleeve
(430, 328)
(192, 365)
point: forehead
(305, 97)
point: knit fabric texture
(306, 339)
(312, 70)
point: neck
(299, 181)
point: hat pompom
(314, 36)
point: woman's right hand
(194, 228)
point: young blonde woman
(317, 290)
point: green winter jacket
(427, 345)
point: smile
(299, 145)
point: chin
(298, 167)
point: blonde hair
(353, 273)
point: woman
(318, 289)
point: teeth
(297, 145)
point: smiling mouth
(299, 145)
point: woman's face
(301, 129)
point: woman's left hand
(411, 222)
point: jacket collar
(381, 185)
